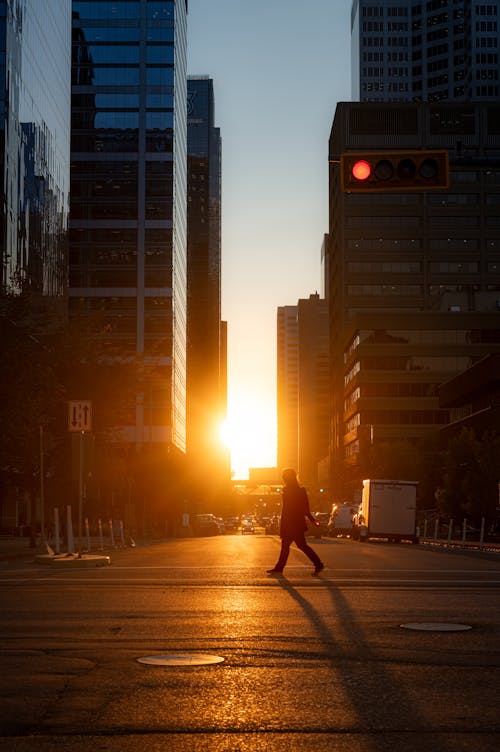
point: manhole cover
(436, 627)
(196, 659)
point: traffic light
(394, 171)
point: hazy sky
(279, 68)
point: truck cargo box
(388, 510)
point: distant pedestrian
(293, 523)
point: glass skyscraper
(206, 364)
(128, 199)
(35, 66)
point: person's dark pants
(300, 540)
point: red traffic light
(394, 171)
(361, 170)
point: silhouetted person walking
(293, 523)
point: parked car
(341, 519)
(273, 526)
(322, 529)
(230, 525)
(206, 524)
(247, 526)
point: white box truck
(388, 510)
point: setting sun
(249, 432)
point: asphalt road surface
(305, 663)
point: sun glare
(249, 432)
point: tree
(44, 365)
(470, 478)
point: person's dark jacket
(294, 512)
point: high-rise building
(409, 50)
(35, 91)
(303, 387)
(35, 69)
(128, 200)
(414, 275)
(206, 360)
(313, 387)
(287, 387)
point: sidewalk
(18, 548)
(13, 547)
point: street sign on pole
(79, 416)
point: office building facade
(128, 274)
(410, 50)
(206, 347)
(313, 387)
(35, 67)
(287, 358)
(303, 387)
(414, 276)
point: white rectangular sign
(80, 415)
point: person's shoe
(274, 571)
(318, 569)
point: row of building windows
(122, 141)
(487, 75)
(121, 101)
(434, 337)
(120, 236)
(488, 42)
(487, 26)
(414, 291)
(126, 54)
(384, 267)
(487, 91)
(120, 278)
(129, 76)
(458, 44)
(436, 364)
(486, 10)
(401, 267)
(379, 26)
(486, 58)
(391, 57)
(437, 220)
(115, 305)
(424, 337)
(115, 34)
(369, 290)
(159, 208)
(413, 244)
(158, 120)
(401, 390)
(380, 86)
(156, 10)
(397, 417)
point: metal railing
(434, 528)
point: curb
(73, 561)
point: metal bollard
(56, 530)
(69, 523)
(87, 532)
